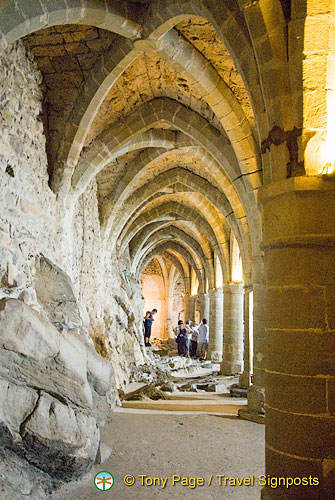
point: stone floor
(186, 445)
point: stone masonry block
(282, 465)
(304, 395)
(304, 436)
(300, 352)
(284, 307)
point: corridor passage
(167, 199)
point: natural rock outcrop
(120, 336)
(49, 260)
(55, 294)
(54, 391)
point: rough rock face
(55, 294)
(41, 255)
(33, 483)
(25, 229)
(112, 297)
(59, 295)
(54, 390)
(120, 337)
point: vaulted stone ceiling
(164, 125)
(65, 56)
(153, 268)
(201, 34)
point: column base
(244, 380)
(236, 391)
(216, 356)
(254, 412)
(231, 368)
(251, 416)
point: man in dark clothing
(149, 318)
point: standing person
(148, 319)
(189, 332)
(203, 339)
(194, 340)
(181, 338)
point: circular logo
(104, 481)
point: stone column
(187, 294)
(186, 306)
(192, 302)
(256, 392)
(204, 306)
(168, 324)
(244, 379)
(299, 245)
(216, 324)
(232, 361)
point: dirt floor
(189, 446)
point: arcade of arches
(185, 146)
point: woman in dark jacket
(181, 338)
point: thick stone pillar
(168, 323)
(186, 306)
(256, 392)
(232, 356)
(216, 324)
(299, 245)
(244, 379)
(169, 329)
(204, 306)
(192, 303)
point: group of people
(192, 338)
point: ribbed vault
(163, 109)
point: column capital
(215, 292)
(298, 212)
(233, 288)
(296, 184)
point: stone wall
(55, 274)
(106, 291)
(25, 229)
(87, 259)
(123, 318)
